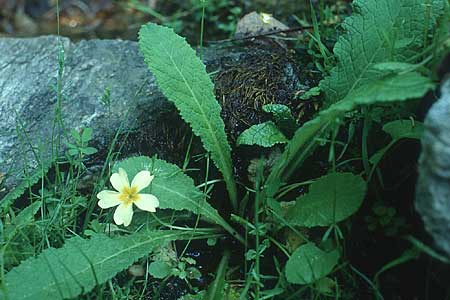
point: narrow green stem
(202, 27)
(364, 146)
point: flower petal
(120, 180)
(108, 199)
(142, 180)
(147, 202)
(123, 214)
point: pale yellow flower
(128, 194)
(266, 18)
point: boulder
(91, 70)
(433, 186)
(105, 86)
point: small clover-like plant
(79, 148)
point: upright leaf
(182, 78)
(81, 264)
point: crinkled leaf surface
(378, 31)
(182, 78)
(309, 263)
(265, 135)
(81, 264)
(332, 198)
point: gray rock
(28, 77)
(433, 186)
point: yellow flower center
(129, 195)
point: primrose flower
(128, 194)
(266, 18)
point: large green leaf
(81, 264)
(378, 31)
(309, 263)
(173, 188)
(182, 78)
(332, 198)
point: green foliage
(331, 199)
(24, 218)
(174, 189)
(385, 90)
(80, 148)
(394, 66)
(400, 129)
(81, 264)
(283, 117)
(18, 235)
(216, 289)
(309, 263)
(26, 183)
(378, 31)
(159, 269)
(265, 135)
(182, 78)
(313, 92)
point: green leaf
(354, 81)
(385, 90)
(265, 135)
(27, 182)
(283, 117)
(331, 199)
(315, 91)
(73, 151)
(372, 36)
(76, 135)
(297, 150)
(88, 150)
(182, 78)
(394, 66)
(81, 264)
(24, 218)
(159, 269)
(427, 249)
(86, 136)
(398, 129)
(404, 129)
(392, 88)
(173, 188)
(216, 288)
(309, 263)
